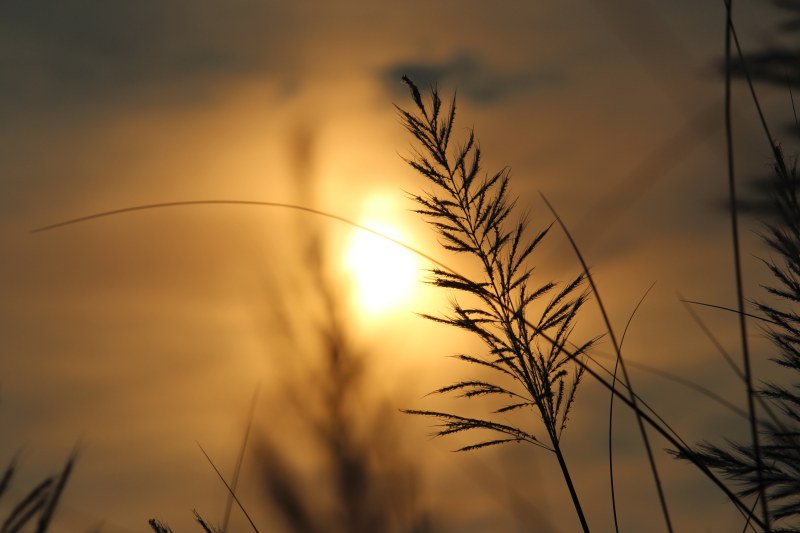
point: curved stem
(657, 425)
(618, 349)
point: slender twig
(749, 520)
(28, 506)
(5, 480)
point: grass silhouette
(526, 326)
(470, 217)
(35, 510)
(470, 214)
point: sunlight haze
(384, 273)
(134, 337)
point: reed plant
(534, 365)
(776, 474)
(471, 213)
(767, 466)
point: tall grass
(776, 474)
(470, 212)
(357, 476)
(526, 326)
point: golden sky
(137, 336)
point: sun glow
(384, 273)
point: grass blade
(617, 348)
(230, 491)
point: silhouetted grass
(469, 212)
(526, 327)
(471, 215)
(35, 510)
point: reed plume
(471, 213)
(780, 433)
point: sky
(135, 337)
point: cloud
(474, 79)
(95, 51)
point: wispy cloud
(476, 80)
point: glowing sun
(384, 273)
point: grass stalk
(621, 361)
(562, 463)
(239, 462)
(577, 355)
(611, 414)
(734, 218)
(471, 216)
(230, 490)
(574, 354)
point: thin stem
(568, 479)
(239, 462)
(791, 98)
(728, 359)
(748, 376)
(183, 203)
(230, 491)
(575, 355)
(611, 447)
(762, 118)
(611, 413)
(617, 348)
(723, 308)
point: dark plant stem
(673, 440)
(738, 270)
(230, 491)
(239, 462)
(611, 414)
(618, 349)
(611, 447)
(575, 355)
(568, 479)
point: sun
(384, 274)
